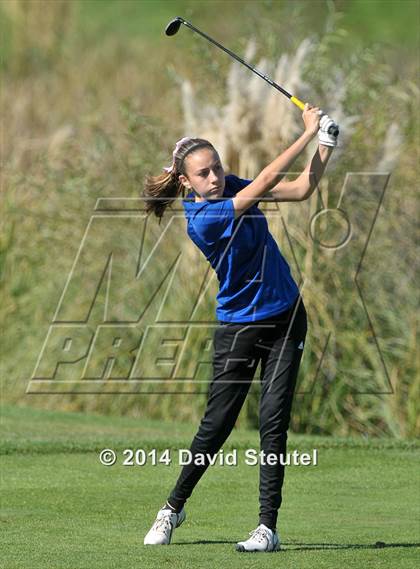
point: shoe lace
(163, 524)
(260, 534)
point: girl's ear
(184, 181)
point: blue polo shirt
(254, 279)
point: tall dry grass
(81, 126)
(365, 371)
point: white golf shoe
(161, 531)
(262, 539)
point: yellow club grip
(298, 103)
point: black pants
(278, 343)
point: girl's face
(204, 174)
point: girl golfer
(260, 312)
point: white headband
(177, 147)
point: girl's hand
(325, 137)
(311, 118)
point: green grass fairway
(62, 509)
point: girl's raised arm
(304, 185)
(268, 178)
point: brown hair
(159, 191)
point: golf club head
(173, 26)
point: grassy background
(92, 98)
(63, 509)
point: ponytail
(160, 191)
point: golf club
(173, 27)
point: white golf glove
(325, 138)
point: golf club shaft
(294, 100)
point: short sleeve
(215, 221)
(238, 184)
